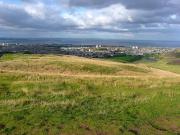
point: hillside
(169, 62)
(166, 61)
(50, 94)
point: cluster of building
(92, 51)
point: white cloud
(173, 17)
(100, 17)
(36, 10)
(115, 18)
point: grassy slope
(163, 64)
(36, 97)
(169, 62)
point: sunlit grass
(34, 101)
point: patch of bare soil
(168, 124)
(89, 131)
(2, 126)
(135, 131)
(159, 126)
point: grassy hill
(48, 94)
(169, 62)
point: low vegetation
(47, 94)
(168, 62)
(125, 58)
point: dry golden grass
(77, 67)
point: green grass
(164, 65)
(90, 68)
(125, 58)
(32, 103)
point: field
(68, 95)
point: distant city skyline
(106, 19)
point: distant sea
(73, 41)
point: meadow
(68, 95)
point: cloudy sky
(113, 19)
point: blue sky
(115, 19)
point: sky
(106, 19)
